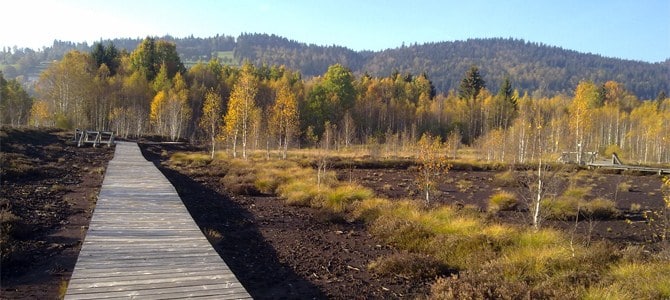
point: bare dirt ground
(49, 188)
(467, 187)
(284, 252)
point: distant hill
(532, 67)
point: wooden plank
(142, 243)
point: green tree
(151, 55)
(107, 55)
(470, 88)
(330, 98)
(144, 60)
(162, 81)
(505, 105)
(15, 103)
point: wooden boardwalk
(658, 171)
(143, 244)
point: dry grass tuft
(190, 159)
(502, 201)
(410, 266)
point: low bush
(478, 285)
(502, 201)
(410, 266)
(240, 178)
(17, 165)
(10, 225)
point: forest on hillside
(538, 69)
(150, 91)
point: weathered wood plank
(143, 244)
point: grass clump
(213, 235)
(568, 208)
(299, 193)
(562, 208)
(370, 209)
(577, 192)
(340, 199)
(505, 179)
(600, 208)
(271, 175)
(411, 266)
(464, 185)
(190, 159)
(406, 234)
(502, 201)
(625, 187)
(634, 280)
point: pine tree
(471, 85)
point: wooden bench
(95, 138)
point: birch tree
(432, 163)
(581, 115)
(284, 115)
(240, 107)
(211, 119)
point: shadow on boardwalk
(253, 260)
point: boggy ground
(633, 193)
(49, 188)
(279, 251)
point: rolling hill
(532, 67)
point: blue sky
(629, 29)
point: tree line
(251, 107)
(538, 69)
